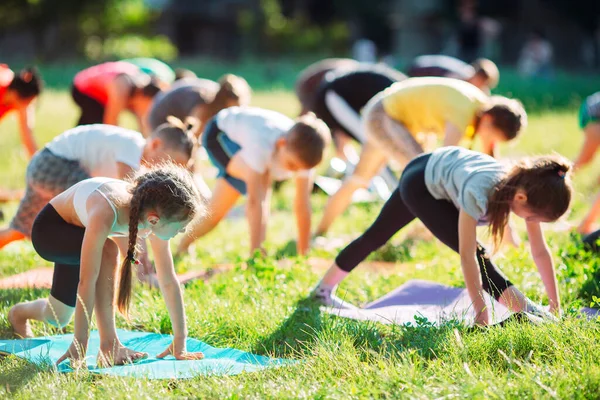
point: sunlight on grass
(261, 307)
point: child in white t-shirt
(251, 147)
(92, 151)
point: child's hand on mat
(119, 356)
(178, 350)
(75, 354)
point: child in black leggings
(76, 231)
(451, 191)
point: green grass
(261, 307)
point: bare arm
(543, 260)
(118, 92)
(96, 234)
(169, 286)
(590, 145)
(452, 135)
(255, 208)
(467, 245)
(26, 121)
(303, 212)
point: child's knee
(57, 314)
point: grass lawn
(260, 307)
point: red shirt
(6, 77)
(94, 81)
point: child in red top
(105, 90)
(17, 93)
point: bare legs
(58, 314)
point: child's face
(521, 209)
(162, 229)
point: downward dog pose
(105, 90)
(451, 191)
(397, 121)
(252, 147)
(91, 151)
(310, 78)
(76, 230)
(199, 98)
(482, 73)
(18, 93)
(589, 121)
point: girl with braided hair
(76, 230)
(452, 191)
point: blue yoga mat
(47, 350)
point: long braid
(124, 291)
(168, 190)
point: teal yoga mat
(217, 361)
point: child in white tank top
(74, 231)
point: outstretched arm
(303, 212)
(96, 233)
(118, 92)
(589, 147)
(171, 291)
(543, 261)
(26, 121)
(467, 239)
(256, 208)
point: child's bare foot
(119, 356)
(20, 325)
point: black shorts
(57, 241)
(92, 112)
(220, 149)
(321, 110)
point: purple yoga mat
(427, 299)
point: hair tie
(135, 261)
(562, 174)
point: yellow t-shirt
(425, 105)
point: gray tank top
(464, 177)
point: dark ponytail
(178, 135)
(546, 183)
(27, 83)
(144, 85)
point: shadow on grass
(16, 373)
(296, 335)
(286, 251)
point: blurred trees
(97, 28)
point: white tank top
(84, 189)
